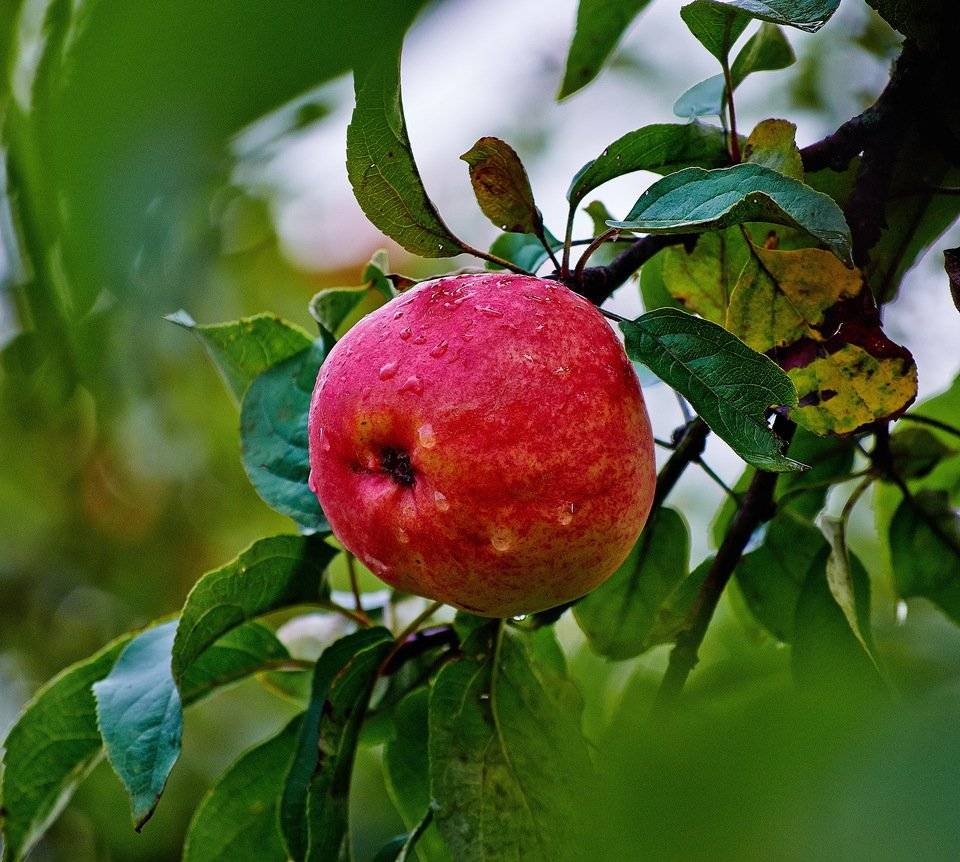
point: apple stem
(354, 582)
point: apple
(482, 440)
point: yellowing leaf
(856, 377)
(772, 144)
(782, 296)
(703, 279)
(502, 188)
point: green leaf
(406, 770)
(401, 848)
(662, 148)
(844, 584)
(600, 24)
(53, 746)
(523, 249)
(695, 200)
(380, 163)
(40, 776)
(273, 433)
(703, 280)
(925, 551)
(830, 458)
(242, 349)
(653, 289)
(716, 25)
(506, 749)
(316, 788)
(502, 187)
(272, 573)
(826, 649)
(141, 718)
(772, 576)
(765, 51)
(237, 819)
(703, 99)
(808, 15)
(772, 144)
(729, 385)
(917, 451)
(620, 616)
(336, 309)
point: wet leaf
(783, 296)
(729, 385)
(695, 200)
(703, 280)
(772, 144)
(502, 187)
(620, 616)
(600, 25)
(716, 25)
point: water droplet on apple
(420, 339)
(312, 482)
(405, 333)
(378, 567)
(467, 336)
(426, 436)
(501, 539)
(441, 501)
(439, 350)
(565, 515)
(412, 384)
(560, 370)
(388, 370)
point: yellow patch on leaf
(773, 144)
(782, 296)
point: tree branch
(757, 508)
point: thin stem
(684, 408)
(733, 140)
(358, 617)
(933, 423)
(847, 511)
(598, 241)
(612, 315)
(709, 471)
(799, 490)
(664, 444)
(354, 582)
(401, 638)
(499, 261)
(406, 852)
(546, 246)
(567, 242)
(687, 451)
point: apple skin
(482, 440)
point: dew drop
(398, 315)
(467, 336)
(901, 612)
(441, 501)
(412, 384)
(405, 333)
(312, 483)
(501, 539)
(388, 370)
(426, 436)
(439, 350)
(420, 339)
(565, 515)
(378, 567)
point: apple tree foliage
(764, 269)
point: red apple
(482, 440)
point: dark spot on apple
(396, 464)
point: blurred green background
(190, 155)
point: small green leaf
(380, 163)
(51, 749)
(523, 249)
(502, 187)
(273, 433)
(620, 616)
(316, 788)
(925, 551)
(808, 15)
(772, 144)
(242, 349)
(272, 573)
(694, 200)
(336, 309)
(766, 51)
(728, 384)
(704, 99)
(141, 718)
(506, 749)
(716, 25)
(600, 24)
(237, 819)
(844, 585)
(772, 576)
(662, 148)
